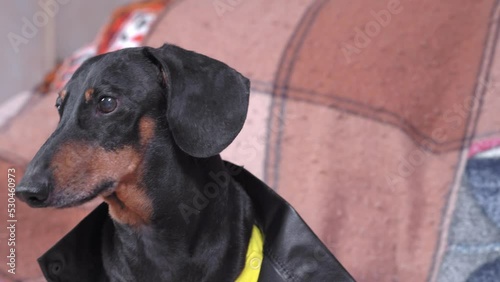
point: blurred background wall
(36, 34)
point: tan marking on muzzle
(88, 94)
(147, 127)
(79, 168)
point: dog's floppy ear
(207, 101)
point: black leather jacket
(292, 252)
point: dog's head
(114, 107)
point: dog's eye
(58, 103)
(107, 105)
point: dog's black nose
(33, 195)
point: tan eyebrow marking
(88, 94)
(63, 93)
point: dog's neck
(198, 229)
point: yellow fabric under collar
(255, 255)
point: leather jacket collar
(292, 252)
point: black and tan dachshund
(142, 128)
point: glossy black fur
(198, 106)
